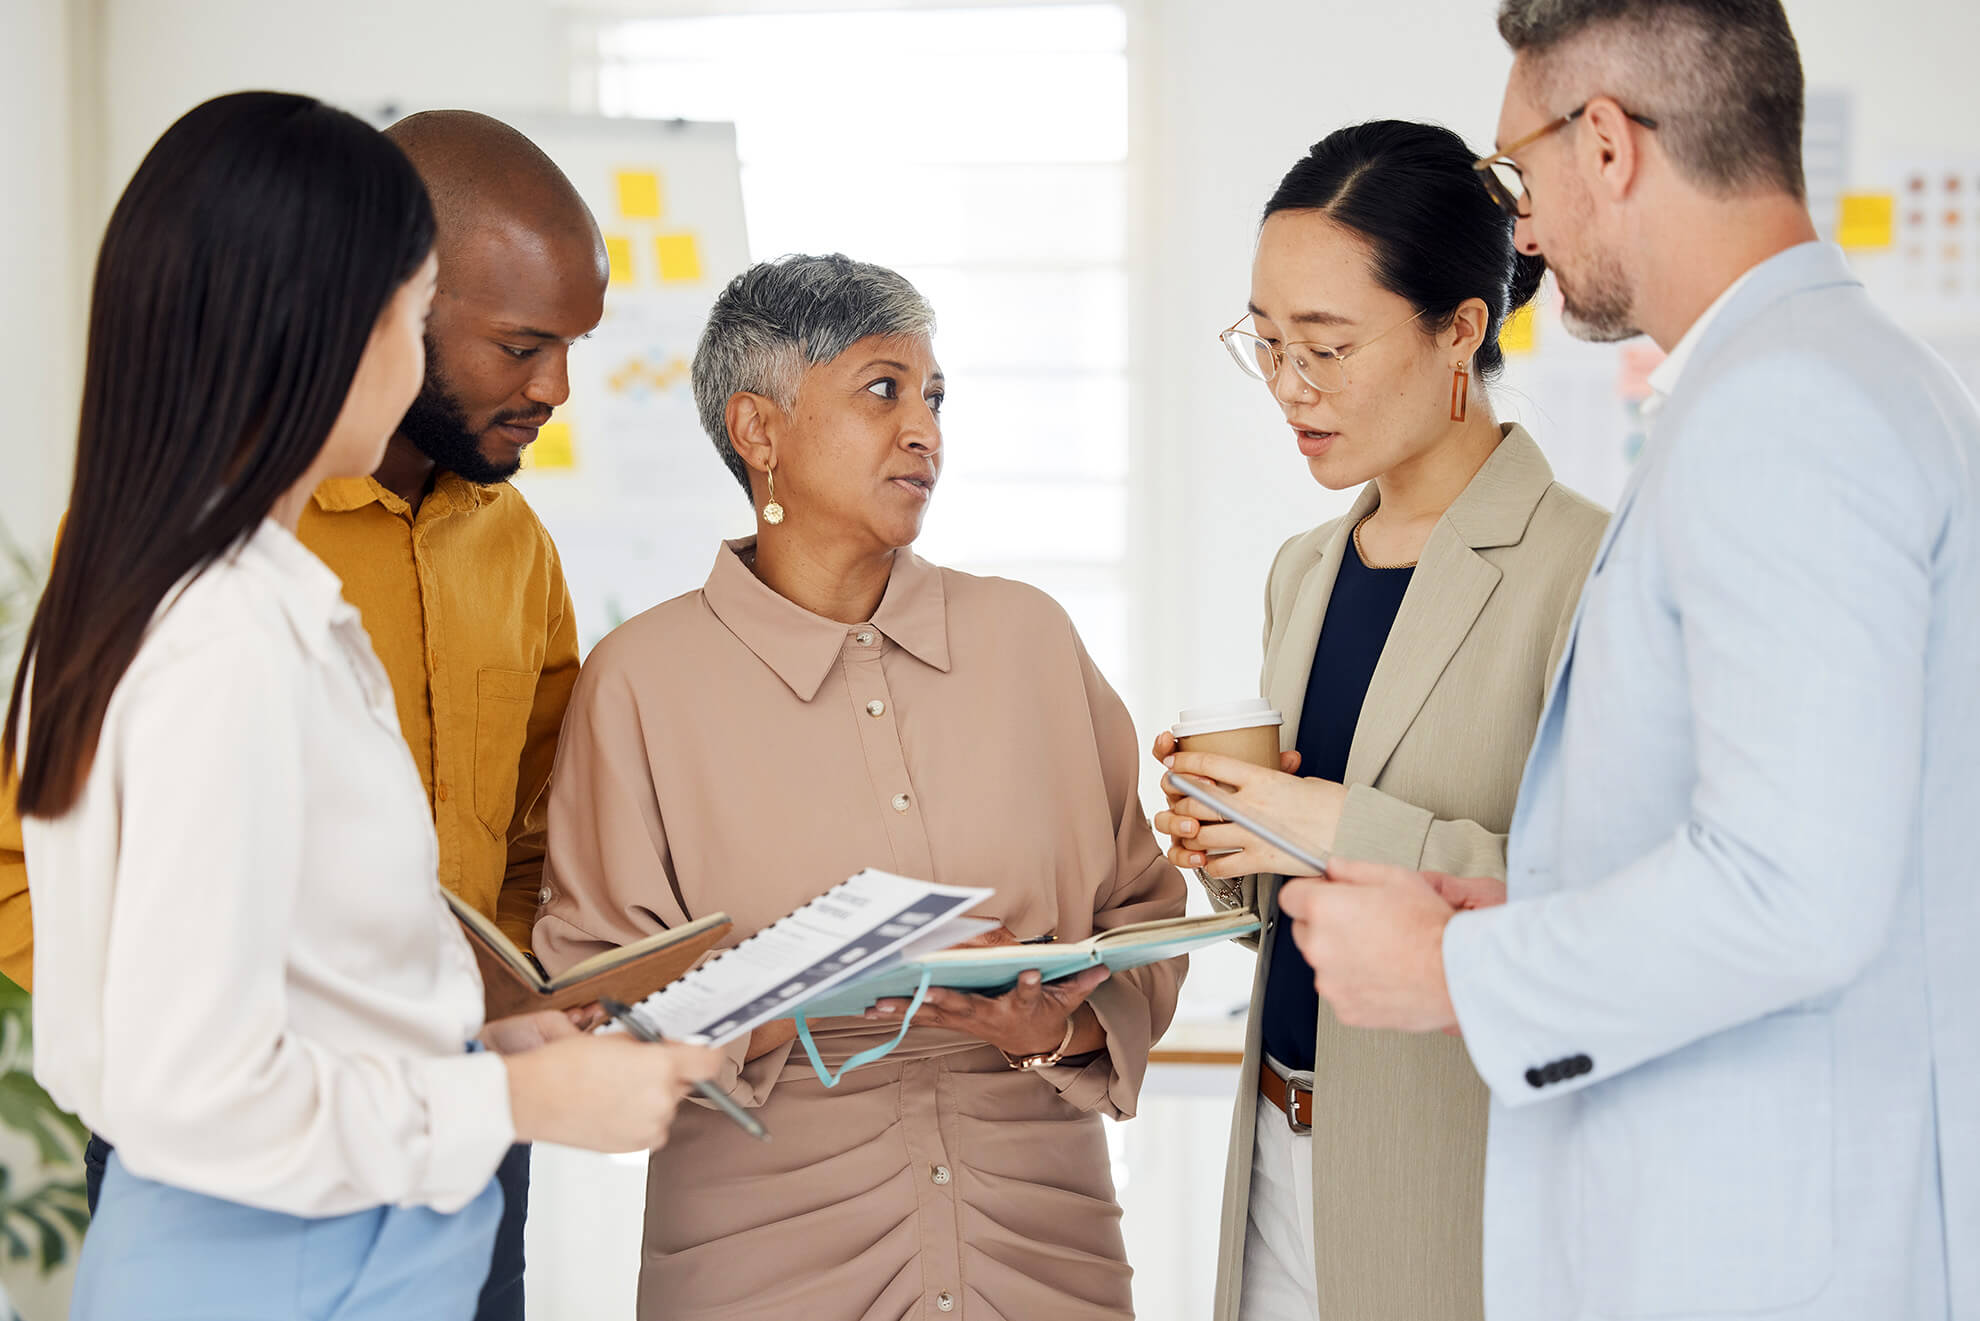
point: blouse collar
(803, 647)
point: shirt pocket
(1708, 1177)
(503, 699)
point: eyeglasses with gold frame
(1323, 368)
(1501, 174)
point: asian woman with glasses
(1409, 645)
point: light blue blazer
(1731, 1019)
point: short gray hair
(1722, 78)
(778, 317)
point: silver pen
(630, 1020)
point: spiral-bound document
(871, 921)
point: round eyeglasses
(1500, 173)
(1322, 368)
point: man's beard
(1598, 305)
(437, 425)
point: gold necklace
(1364, 554)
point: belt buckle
(1299, 1130)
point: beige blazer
(1399, 1142)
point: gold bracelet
(1047, 1060)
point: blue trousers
(159, 1253)
(501, 1294)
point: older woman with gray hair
(829, 701)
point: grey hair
(778, 317)
(1722, 78)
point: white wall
(162, 57)
(40, 321)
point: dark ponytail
(1437, 235)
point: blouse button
(864, 638)
(901, 802)
(939, 1175)
(945, 1302)
(876, 708)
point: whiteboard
(625, 479)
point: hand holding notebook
(511, 983)
(877, 936)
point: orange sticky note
(639, 194)
(680, 258)
(619, 252)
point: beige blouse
(730, 751)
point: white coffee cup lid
(1253, 711)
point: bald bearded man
(457, 581)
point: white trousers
(1278, 1235)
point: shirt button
(440, 792)
(901, 802)
(864, 637)
(876, 708)
(939, 1175)
(945, 1302)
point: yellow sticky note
(1867, 220)
(1518, 333)
(619, 252)
(639, 194)
(553, 448)
(680, 258)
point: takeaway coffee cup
(1247, 730)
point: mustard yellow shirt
(467, 608)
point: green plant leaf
(25, 1108)
(54, 1243)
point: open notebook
(512, 985)
(991, 970)
(877, 935)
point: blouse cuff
(470, 1127)
(1111, 1083)
(1376, 827)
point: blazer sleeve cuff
(1517, 1065)
(1376, 827)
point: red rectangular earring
(1460, 391)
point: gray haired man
(1730, 1015)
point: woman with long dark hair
(248, 979)
(1408, 647)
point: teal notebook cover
(990, 970)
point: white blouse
(246, 977)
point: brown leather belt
(1294, 1101)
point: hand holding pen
(628, 1018)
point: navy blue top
(1359, 617)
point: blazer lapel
(1299, 634)
(1446, 595)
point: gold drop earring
(773, 513)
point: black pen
(708, 1091)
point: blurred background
(1075, 187)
